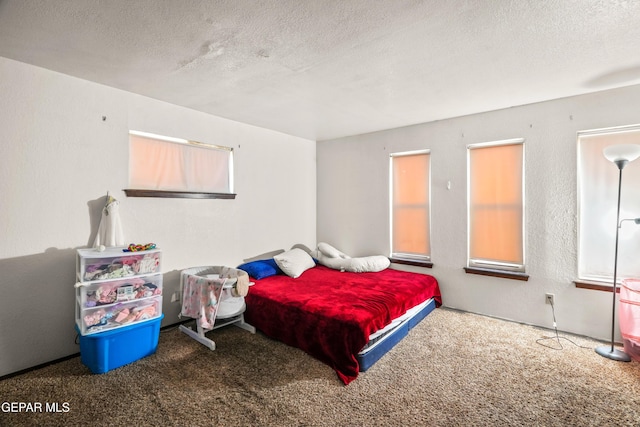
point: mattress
(332, 315)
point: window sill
(497, 273)
(178, 194)
(595, 286)
(426, 264)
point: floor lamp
(620, 155)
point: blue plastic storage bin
(109, 350)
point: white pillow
(294, 262)
(373, 263)
(330, 251)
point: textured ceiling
(324, 69)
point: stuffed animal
(331, 257)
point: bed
(346, 320)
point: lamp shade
(628, 152)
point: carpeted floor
(453, 369)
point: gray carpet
(453, 369)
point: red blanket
(330, 314)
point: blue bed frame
(372, 353)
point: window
(410, 210)
(161, 166)
(597, 207)
(496, 205)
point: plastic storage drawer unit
(112, 349)
(124, 288)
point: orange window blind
(410, 205)
(496, 204)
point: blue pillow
(272, 263)
(261, 269)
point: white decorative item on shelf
(116, 288)
(110, 228)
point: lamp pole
(613, 353)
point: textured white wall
(353, 204)
(59, 158)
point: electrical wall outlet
(549, 298)
(174, 297)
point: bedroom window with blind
(410, 207)
(597, 205)
(495, 202)
(161, 166)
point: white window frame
(401, 255)
(492, 264)
(226, 193)
(604, 249)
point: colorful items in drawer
(123, 267)
(137, 248)
(120, 314)
(109, 293)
